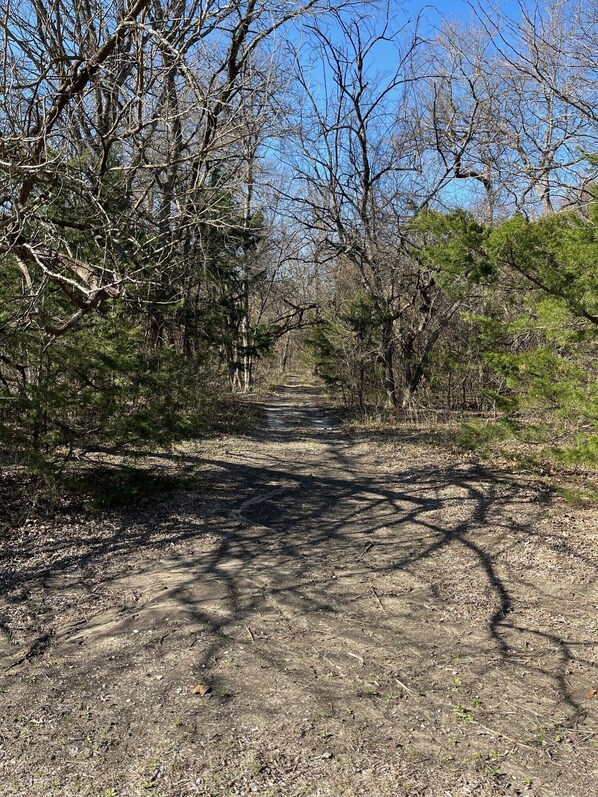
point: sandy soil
(370, 617)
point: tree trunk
(286, 352)
(388, 347)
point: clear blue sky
(458, 9)
(432, 15)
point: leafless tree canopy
(298, 138)
(122, 122)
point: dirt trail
(372, 618)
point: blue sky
(458, 9)
(431, 15)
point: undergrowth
(569, 467)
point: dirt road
(371, 617)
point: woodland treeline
(189, 188)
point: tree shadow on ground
(304, 544)
(295, 578)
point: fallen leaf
(592, 693)
(202, 689)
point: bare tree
(546, 66)
(461, 102)
(363, 173)
(117, 123)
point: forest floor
(366, 616)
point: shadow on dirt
(293, 553)
(307, 542)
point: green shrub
(102, 386)
(478, 435)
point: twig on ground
(332, 664)
(365, 550)
(378, 601)
(405, 687)
(509, 738)
(355, 656)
